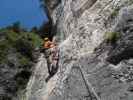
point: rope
(88, 85)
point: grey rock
(124, 45)
(87, 69)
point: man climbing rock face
(52, 56)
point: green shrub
(23, 42)
(115, 12)
(4, 47)
(16, 51)
(112, 36)
(24, 47)
(35, 39)
(12, 37)
(24, 61)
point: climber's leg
(50, 71)
(53, 68)
(52, 64)
(47, 54)
(50, 74)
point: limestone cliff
(90, 67)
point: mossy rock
(112, 36)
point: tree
(34, 29)
(16, 27)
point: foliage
(34, 29)
(17, 47)
(16, 52)
(35, 39)
(115, 12)
(16, 27)
(12, 37)
(24, 61)
(112, 36)
(3, 50)
(23, 42)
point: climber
(52, 55)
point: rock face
(89, 68)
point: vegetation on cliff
(112, 36)
(17, 48)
